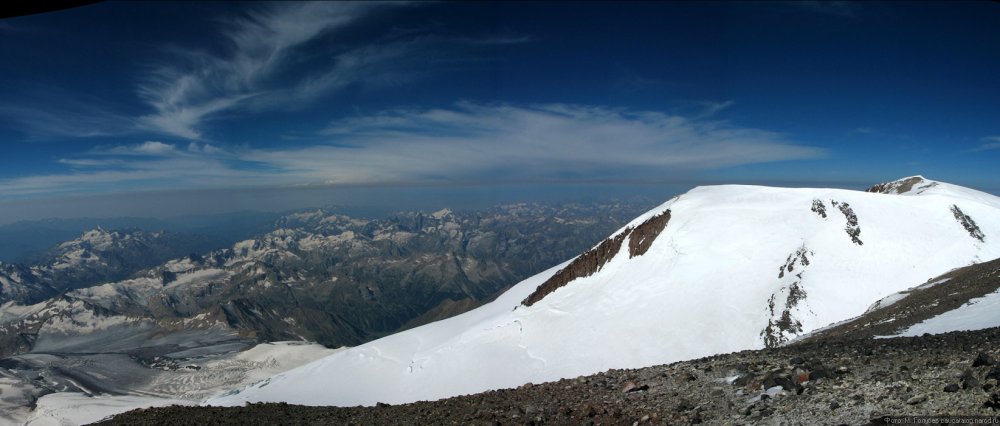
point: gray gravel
(827, 382)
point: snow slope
(68, 408)
(186, 386)
(736, 267)
(978, 314)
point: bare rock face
(819, 208)
(783, 304)
(644, 234)
(914, 184)
(967, 223)
(586, 265)
(896, 187)
(593, 260)
(852, 228)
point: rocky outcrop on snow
(819, 208)
(585, 265)
(852, 228)
(642, 237)
(590, 262)
(967, 223)
(900, 186)
(786, 306)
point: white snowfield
(706, 286)
(978, 314)
(183, 387)
(70, 408)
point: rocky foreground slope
(854, 381)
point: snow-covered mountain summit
(715, 270)
(913, 185)
(918, 185)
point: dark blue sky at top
(495, 93)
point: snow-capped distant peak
(440, 214)
(97, 238)
(919, 185)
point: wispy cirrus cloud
(270, 60)
(989, 143)
(79, 163)
(154, 148)
(258, 45)
(713, 108)
(272, 56)
(43, 112)
(11, 28)
(460, 143)
(150, 165)
(838, 8)
(541, 141)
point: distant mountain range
(317, 275)
(94, 257)
(22, 242)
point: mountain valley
(318, 276)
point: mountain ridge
(96, 255)
(717, 250)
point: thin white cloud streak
(839, 8)
(46, 112)
(161, 149)
(259, 71)
(989, 143)
(465, 142)
(277, 56)
(143, 166)
(90, 162)
(145, 148)
(94, 176)
(713, 108)
(531, 142)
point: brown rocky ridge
(591, 261)
(895, 187)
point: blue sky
(101, 103)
